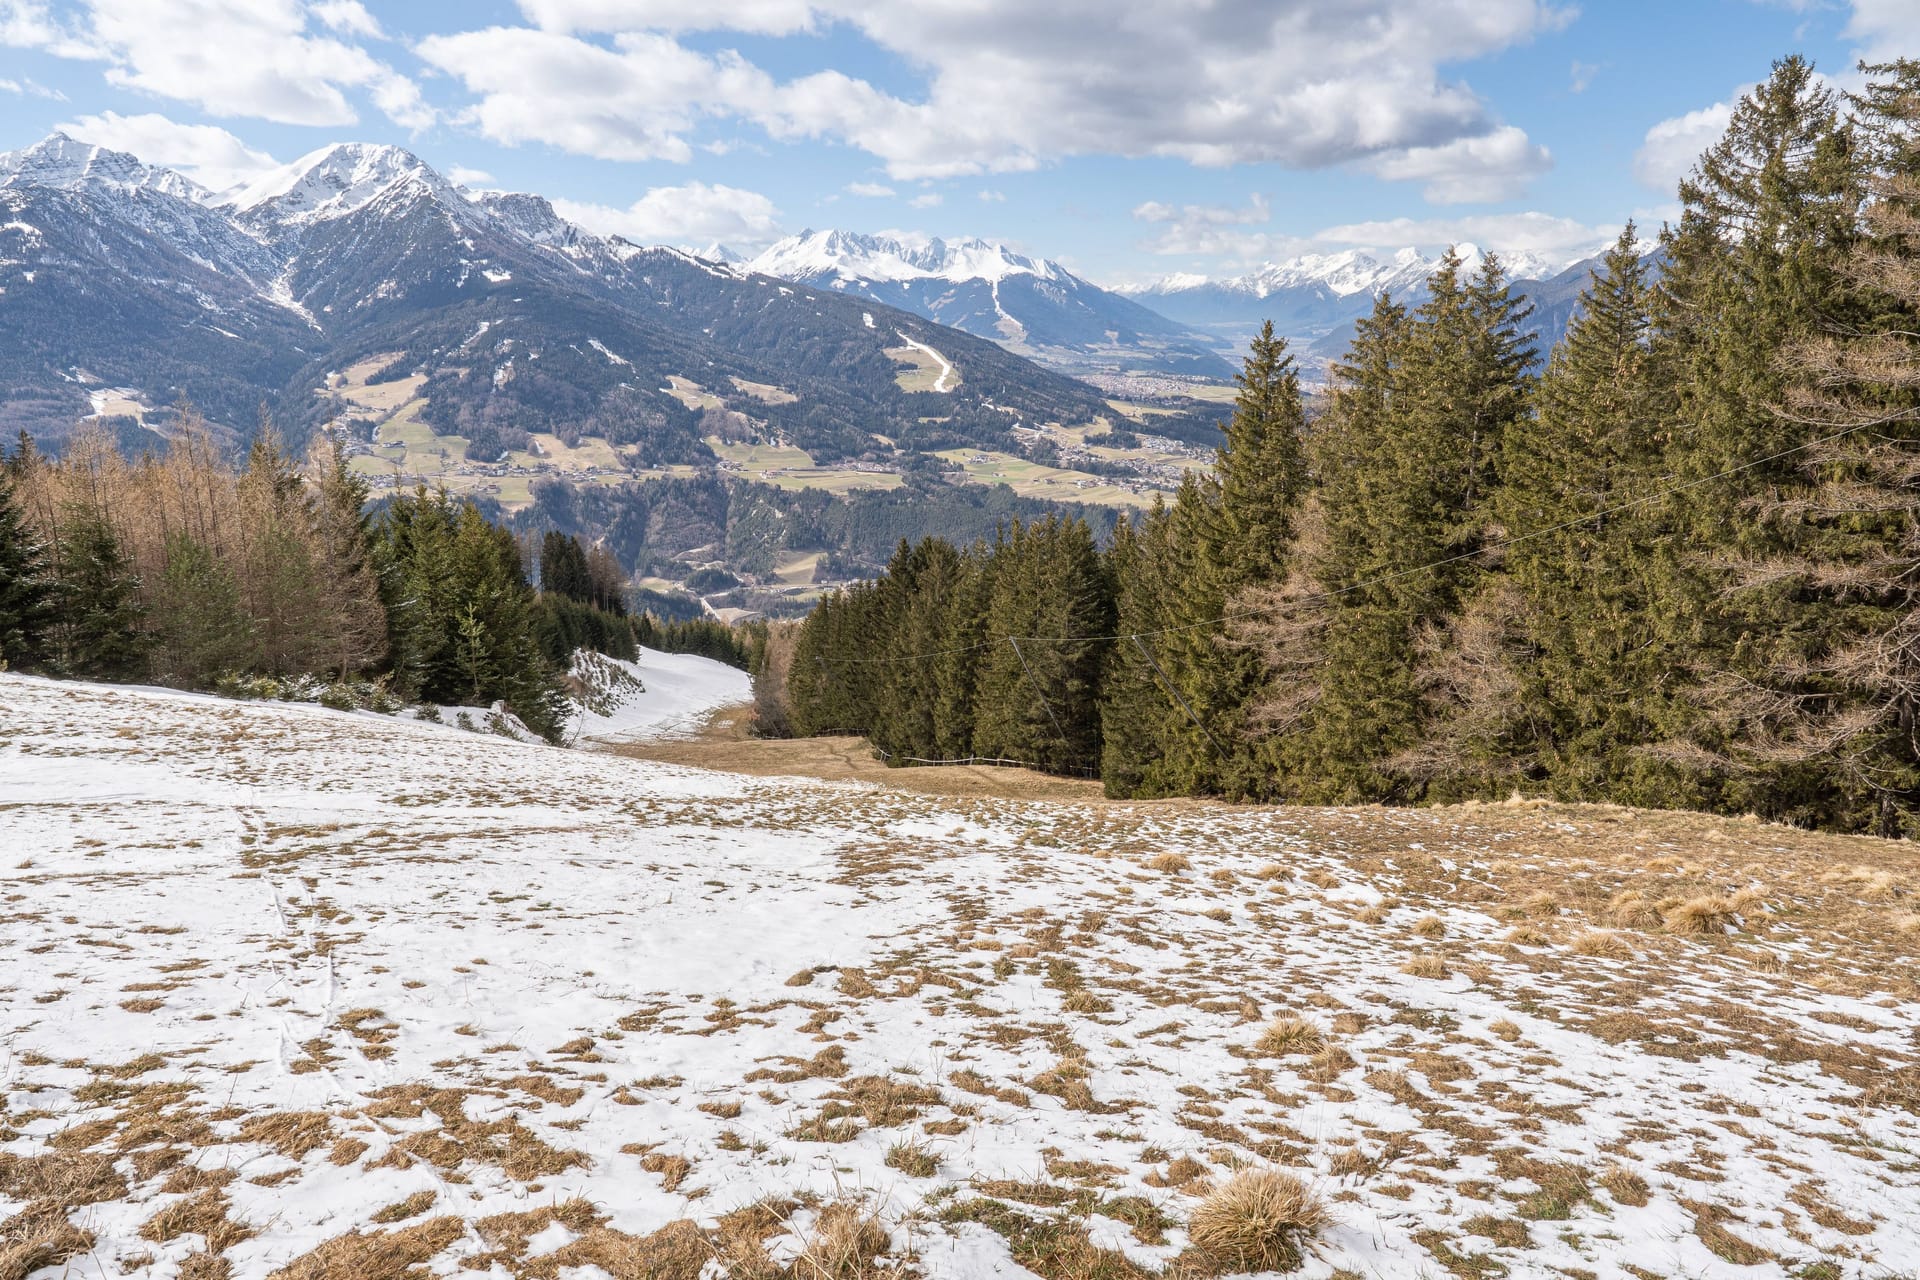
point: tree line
(1679, 565)
(181, 568)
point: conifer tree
(1768, 217)
(26, 584)
(97, 633)
(1586, 575)
(350, 625)
(201, 632)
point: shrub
(1258, 1221)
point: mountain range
(126, 289)
(1033, 306)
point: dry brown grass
(1527, 936)
(1429, 964)
(843, 1244)
(203, 1215)
(1540, 903)
(39, 1236)
(912, 1158)
(1171, 863)
(292, 1133)
(1430, 926)
(1708, 913)
(1602, 943)
(380, 1255)
(1287, 1034)
(1259, 1221)
(400, 1210)
(1629, 909)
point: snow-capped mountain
(123, 275)
(1031, 305)
(1315, 299)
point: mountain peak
(335, 180)
(61, 161)
(821, 256)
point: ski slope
(290, 992)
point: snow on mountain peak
(335, 180)
(820, 256)
(62, 162)
(1353, 271)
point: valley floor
(285, 991)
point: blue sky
(1126, 138)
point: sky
(1126, 139)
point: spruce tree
(26, 585)
(97, 633)
(201, 632)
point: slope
(324, 992)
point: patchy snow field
(297, 993)
(664, 695)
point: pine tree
(26, 584)
(201, 632)
(97, 633)
(276, 573)
(1586, 575)
(350, 625)
(1769, 216)
(563, 567)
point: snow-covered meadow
(288, 991)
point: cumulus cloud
(1486, 169)
(1308, 83)
(1229, 234)
(871, 190)
(694, 215)
(206, 153)
(470, 177)
(1886, 29)
(926, 200)
(1668, 151)
(264, 59)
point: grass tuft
(1258, 1221)
(1287, 1034)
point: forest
(275, 579)
(1678, 565)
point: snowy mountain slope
(1315, 299)
(663, 695)
(112, 272)
(1031, 305)
(304, 987)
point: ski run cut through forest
(298, 992)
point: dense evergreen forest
(273, 578)
(1677, 567)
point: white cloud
(926, 200)
(871, 190)
(762, 17)
(206, 153)
(991, 196)
(1670, 148)
(1486, 169)
(252, 58)
(349, 17)
(1307, 84)
(1545, 234)
(1209, 215)
(1887, 29)
(695, 214)
(1581, 77)
(469, 177)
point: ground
(302, 993)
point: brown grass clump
(1704, 914)
(1287, 1034)
(292, 1133)
(1628, 909)
(1625, 1186)
(1601, 942)
(1183, 1171)
(1430, 926)
(912, 1159)
(203, 1215)
(1540, 903)
(1330, 1064)
(1259, 1221)
(673, 1170)
(72, 1178)
(1430, 965)
(843, 1245)
(412, 1207)
(1527, 936)
(1171, 863)
(39, 1236)
(1506, 1029)
(382, 1255)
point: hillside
(334, 995)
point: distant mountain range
(125, 288)
(1029, 305)
(1314, 300)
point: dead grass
(1430, 926)
(204, 1215)
(292, 1133)
(400, 1210)
(912, 1158)
(843, 1244)
(1708, 913)
(1429, 964)
(1259, 1221)
(1170, 863)
(1602, 943)
(1287, 1034)
(39, 1236)
(379, 1255)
